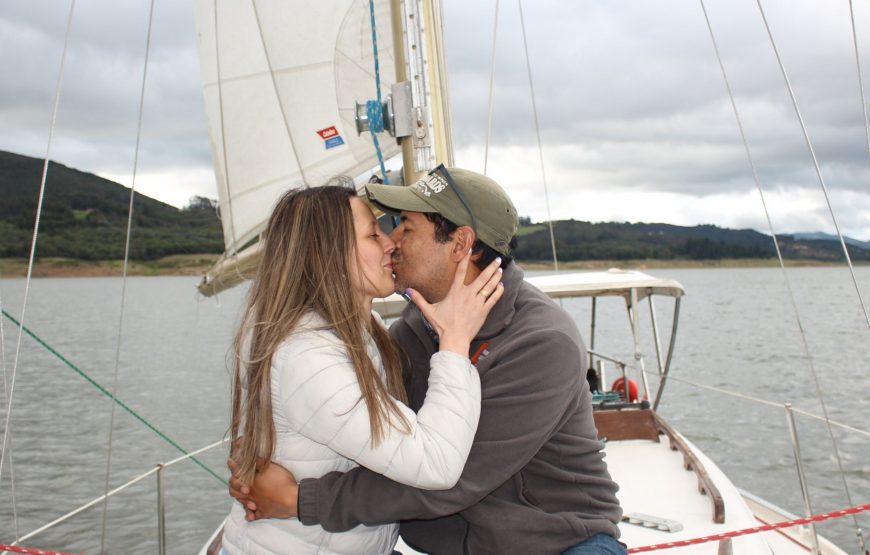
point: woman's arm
(319, 394)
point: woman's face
(372, 267)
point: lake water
(737, 332)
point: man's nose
(396, 235)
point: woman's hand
(460, 315)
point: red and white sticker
(331, 137)
(328, 133)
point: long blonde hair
(305, 266)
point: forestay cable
(538, 135)
(35, 234)
(124, 274)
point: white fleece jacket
(322, 425)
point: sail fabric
(280, 78)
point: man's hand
(272, 495)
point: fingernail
(500, 270)
(498, 260)
(469, 251)
(407, 293)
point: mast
(421, 68)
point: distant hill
(85, 216)
(819, 236)
(577, 240)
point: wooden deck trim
(621, 424)
(691, 462)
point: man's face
(419, 261)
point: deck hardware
(650, 521)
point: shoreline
(199, 264)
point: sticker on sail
(331, 137)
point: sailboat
(293, 108)
(287, 109)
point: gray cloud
(629, 95)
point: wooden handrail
(691, 462)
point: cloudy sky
(635, 119)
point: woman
(317, 380)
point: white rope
(35, 236)
(124, 276)
(538, 135)
(118, 489)
(816, 381)
(6, 398)
(491, 87)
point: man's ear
(463, 239)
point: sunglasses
(442, 171)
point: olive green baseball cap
(462, 196)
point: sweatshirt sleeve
(319, 394)
(525, 396)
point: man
(535, 480)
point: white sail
(280, 79)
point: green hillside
(85, 216)
(576, 240)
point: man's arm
(526, 394)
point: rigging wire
(791, 295)
(812, 152)
(124, 274)
(538, 134)
(35, 234)
(816, 381)
(766, 402)
(6, 398)
(491, 86)
(108, 394)
(860, 75)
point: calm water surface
(737, 332)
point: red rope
(30, 550)
(745, 531)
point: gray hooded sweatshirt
(535, 480)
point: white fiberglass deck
(653, 481)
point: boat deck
(654, 480)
